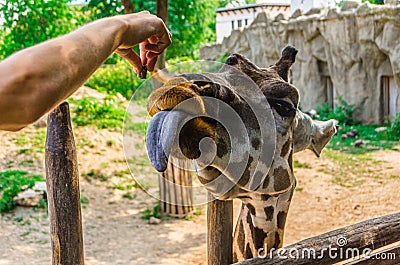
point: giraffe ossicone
(241, 126)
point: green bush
(102, 114)
(394, 129)
(343, 112)
(186, 65)
(117, 78)
(148, 213)
(12, 182)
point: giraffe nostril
(232, 60)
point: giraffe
(264, 189)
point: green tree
(375, 2)
(99, 9)
(192, 23)
(27, 22)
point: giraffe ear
(312, 134)
(288, 57)
(322, 134)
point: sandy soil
(331, 192)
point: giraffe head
(241, 125)
(232, 159)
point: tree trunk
(175, 183)
(162, 12)
(63, 194)
(128, 6)
(176, 191)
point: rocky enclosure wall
(355, 46)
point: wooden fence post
(176, 195)
(176, 191)
(63, 196)
(162, 12)
(219, 231)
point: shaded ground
(333, 191)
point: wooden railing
(367, 235)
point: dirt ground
(333, 191)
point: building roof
(252, 6)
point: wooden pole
(370, 234)
(128, 6)
(162, 12)
(176, 191)
(62, 179)
(219, 231)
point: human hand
(150, 33)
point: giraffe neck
(261, 224)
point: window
(233, 24)
(246, 22)
(328, 88)
(389, 94)
(239, 23)
(384, 97)
(329, 91)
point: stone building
(351, 52)
(230, 18)
(306, 5)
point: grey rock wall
(355, 46)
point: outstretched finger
(132, 58)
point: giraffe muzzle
(177, 133)
(161, 135)
(158, 156)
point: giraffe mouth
(163, 128)
(168, 134)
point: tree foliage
(192, 23)
(29, 22)
(375, 2)
(99, 9)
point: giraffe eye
(285, 109)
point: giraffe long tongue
(161, 134)
(156, 154)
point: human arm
(36, 79)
